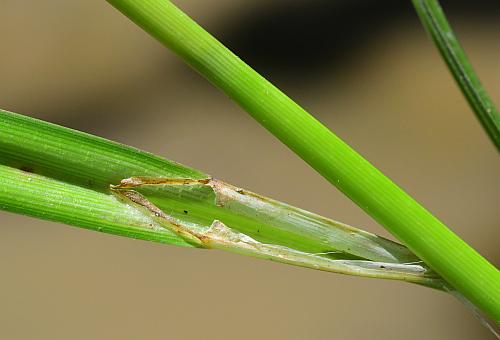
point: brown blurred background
(364, 68)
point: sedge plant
(429, 238)
(64, 175)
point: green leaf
(59, 174)
(434, 21)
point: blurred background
(364, 68)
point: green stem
(434, 20)
(423, 233)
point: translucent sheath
(345, 250)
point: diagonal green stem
(434, 20)
(412, 224)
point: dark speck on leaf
(26, 168)
(185, 211)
